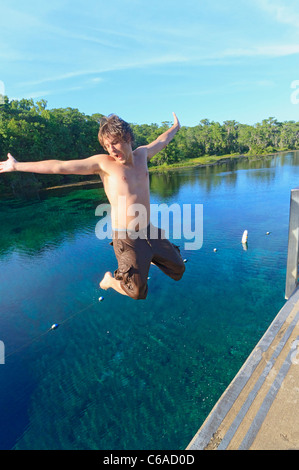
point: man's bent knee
(178, 274)
(136, 292)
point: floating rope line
(27, 344)
(53, 327)
(56, 325)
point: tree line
(31, 132)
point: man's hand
(160, 143)
(8, 165)
(176, 121)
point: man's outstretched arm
(85, 166)
(160, 143)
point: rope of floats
(53, 327)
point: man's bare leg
(110, 281)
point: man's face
(118, 149)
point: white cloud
(44, 93)
(168, 59)
(253, 83)
(276, 50)
(286, 14)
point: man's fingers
(176, 121)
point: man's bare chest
(130, 178)
(127, 180)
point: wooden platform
(260, 408)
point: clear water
(125, 374)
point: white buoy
(185, 260)
(215, 249)
(245, 236)
(101, 298)
(54, 326)
(267, 233)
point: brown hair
(114, 126)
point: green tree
(30, 131)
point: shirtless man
(125, 177)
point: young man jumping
(125, 177)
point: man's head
(114, 128)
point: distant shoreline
(214, 160)
(88, 184)
(192, 163)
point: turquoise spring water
(124, 374)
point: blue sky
(220, 60)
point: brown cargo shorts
(135, 255)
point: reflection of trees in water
(169, 184)
(212, 176)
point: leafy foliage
(31, 132)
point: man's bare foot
(106, 281)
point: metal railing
(293, 245)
